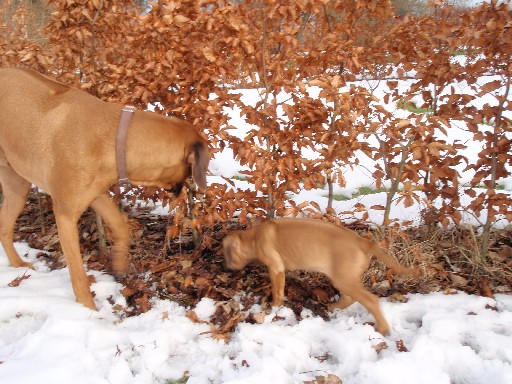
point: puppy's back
(304, 230)
(314, 245)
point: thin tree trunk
(330, 197)
(486, 234)
(270, 198)
(42, 219)
(395, 184)
(196, 237)
(102, 237)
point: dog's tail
(390, 261)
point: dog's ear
(232, 247)
(198, 158)
(226, 247)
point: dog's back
(41, 120)
(22, 88)
(20, 76)
(322, 247)
(52, 103)
(315, 245)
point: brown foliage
(188, 58)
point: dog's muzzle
(176, 190)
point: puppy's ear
(198, 157)
(226, 248)
(236, 244)
(231, 243)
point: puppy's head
(234, 254)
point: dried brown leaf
(17, 281)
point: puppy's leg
(15, 190)
(118, 224)
(276, 271)
(345, 302)
(371, 302)
(277, 279)
(67, 219)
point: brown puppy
(312, 245)
(64, 141)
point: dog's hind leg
(371, 302)
(15, 190)
(118, 224)
(345, 302)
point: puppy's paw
(383, 330)
(24, 264)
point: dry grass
(451, 258)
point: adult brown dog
(64, 141)
(312, 245)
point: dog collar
(122, 133)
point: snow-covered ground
(46, 337)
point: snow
(46, 337)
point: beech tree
(317, 66)
(490, 53)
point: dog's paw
(24, 264)
(120, 266)
(384, 331)
(119, 274)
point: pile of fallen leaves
(171, 269)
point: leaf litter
(174, 270)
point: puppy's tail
(391, 262)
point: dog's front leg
(277, 280)
(69, 240)
(118, 224)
